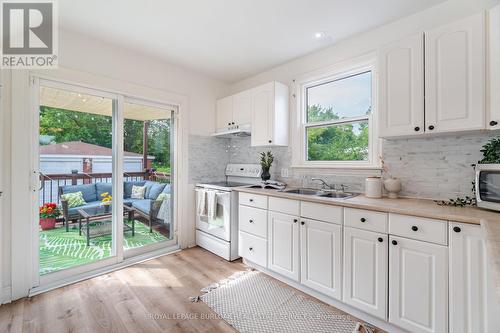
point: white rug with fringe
(252, 302)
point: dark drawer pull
(363, 219)
(380, 239)
(302, 222)
(250, 248)
(493, 123)
(295, 220)
(394, 242)
(414, 228)
(251, 221)
(431, 127)
(457, 229)
(417, 129)
(251, 200)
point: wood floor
(128, 300)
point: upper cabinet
(401, 75)
(263, 108)
(270, 115)
(451, 58)
(493, 121)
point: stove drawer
(253, 220)
(253, 248)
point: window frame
(334, 73)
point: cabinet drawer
(253, 248)
(287, 206)
(253, 200)
(321, 212)
(366, 219)
(253, 220)
(428, 230)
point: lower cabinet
(474, 306)
(321, 257)
(283, 244)
(365, 271)
(418, 285)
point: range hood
(236, 131)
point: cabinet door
(283, 244)
(242, 108)
(494, 68)
(365, 271)
(473, 305)
(418, 285)
(455, 76)
(321, 257)
(262, 114)
(224, 113)
(401, 75)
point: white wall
(367, 42)
(92, 58)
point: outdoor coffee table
(102, 214)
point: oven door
(488, 186)
(219, 227)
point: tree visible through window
(337, 119)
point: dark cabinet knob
(251, 200)
(431, 127)
(417, 129)
(229, 124)
(457, 229)
(394, 242)
(250, 248)
(270, 141)
(414, 228)
(295, 220)
(232, 123)
(362, 219)
(493, 123)
(251, 221)
(302, 222)
(380, 239)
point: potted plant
(266, 160)
(106, 200)
(48, 214)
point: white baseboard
(6, 295)
(382, 324)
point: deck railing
(50, 182)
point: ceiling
(229, 39)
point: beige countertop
(489, 220)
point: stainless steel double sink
(321, 193)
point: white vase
(393, 187)
(373, 187)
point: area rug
(252, 302)
(60, 249)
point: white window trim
(338, 71)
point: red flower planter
(47, 223)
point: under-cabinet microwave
(488, 186)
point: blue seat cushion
(74, 211)
(88, 191)
(129, 201)
(102, 188)
(127, 187)
(167, 189)
(155, 191)
(142, 205)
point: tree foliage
(342, 142)
(65, 125)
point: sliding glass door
(92, 145)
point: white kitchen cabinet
(401, 86)
(270, 115)
(365, 271)
(283, 244)
(494, 68)
(242, 107)
(473, 305)
(321, 257)
(418, 285)
(455, 76)
(224, 113)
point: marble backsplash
(433, 167)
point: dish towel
(201, 202)
(211, 205)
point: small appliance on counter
(488, 186)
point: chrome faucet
(324, 184)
